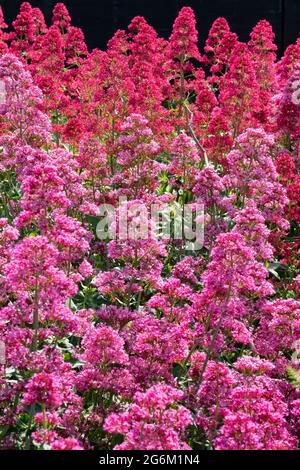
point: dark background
(100, 18)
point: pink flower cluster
(153, 421)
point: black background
(100, 18)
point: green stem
(215, 334)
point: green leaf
(293, 376)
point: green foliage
(293, 377)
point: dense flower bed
(141, 343)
